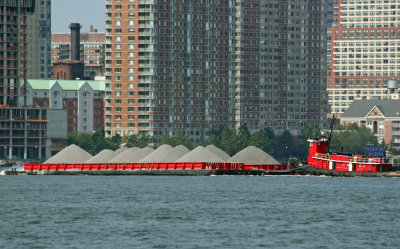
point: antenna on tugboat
(330, 134)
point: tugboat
(321, 161)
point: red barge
(172, 168)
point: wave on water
(15, 167)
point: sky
(85, 12)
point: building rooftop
(361, 108)
(71, 85)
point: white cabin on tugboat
(320, 158)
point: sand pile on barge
(131, 155)
(159, 155)
(217, 151)
(70, 154)
(120, 150)
(165, 153)
(147, 150)
(200, 154)
(102, 157)
(253, 155)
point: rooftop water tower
(393, 85)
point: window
(131, 109)
(118, 38)
(118, 23)
(131, 85)
(130, 117)
(131, 22)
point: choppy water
(199, 212)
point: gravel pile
(180, 151)
(253, 155)
(102, 157)
(70, 154)
(120, 150)
(161, 154)
(217, 151)
(147, 150)
(200, 154)
(131, 155)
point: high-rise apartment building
(246, 61)
(363, 51)
(292, 89)
(167, 67)
(191, 67)
(92, 50)
(38, 56)
(13, 49)
(25, 132)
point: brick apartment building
(192, 67)
(364, 45)
(83, 100)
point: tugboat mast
(330, 134)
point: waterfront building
(13, 45)
(25, 132)
(292, 89)
(382, 117)
(363, 51)
(167, 67)
(38, 56)
(83, 100)
(193, 67)
(92, 51)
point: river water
(199, 212)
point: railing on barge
(154, 166)
(355, 158)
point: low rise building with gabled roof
(83, 100)
(382, 117)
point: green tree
(310, 131)
(101, 142)
(140, 141)
(284, 145)
(352, 138)
(242, 137)
(83, 140)
(261, 139)
(116, 141)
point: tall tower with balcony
(13, 43)
(167, 67)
